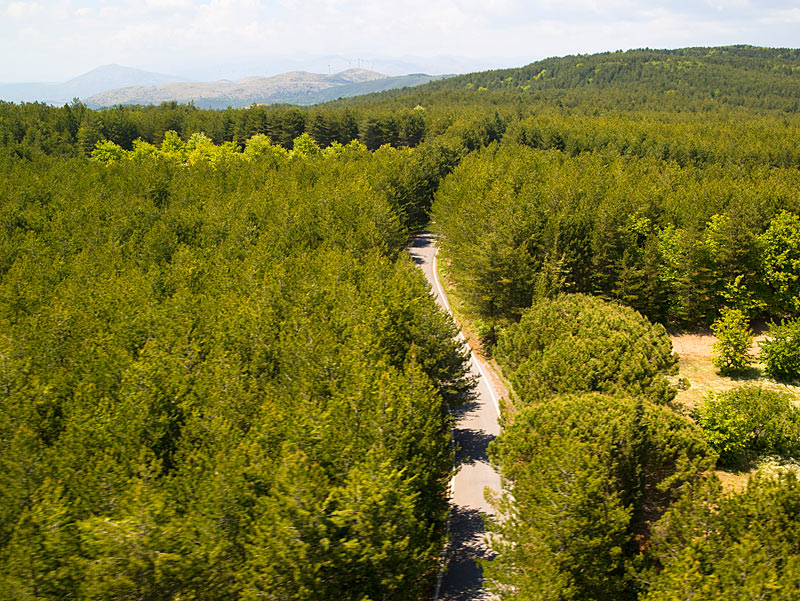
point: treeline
(729, 76)
(674, 242)
(685, 140)
(737, 82)
(220, 381)
(609, 493)
(73, 129)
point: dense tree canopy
(220, 381)
(223, 379)
(588, 476)
(584, 344)
(678, 244)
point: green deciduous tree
(107, 152)
(173, 147)
(734, 340)
(780, 351)
(749, 421)
(259, 145)
(305, 146)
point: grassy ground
(695, 352)
(465, 323)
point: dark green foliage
(578, 343)
(322, 131)
(780, 351)
(747, 422)
(218, 380)
(663, 135)
(677, 244)
(712, 547)
(588, 476)
(379, 131)
(306, 534)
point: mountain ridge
(97, 80)
(293, 87)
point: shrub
(734, 339)
(749, 421)
(780, 352)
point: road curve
(476, 425)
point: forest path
(476, 425)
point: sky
(54, 40)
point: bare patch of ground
(694, 353)
(734, 481)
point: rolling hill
(97, 80)
(296, 87)
(742, 75)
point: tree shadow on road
(468, 404)
(422, 240)
(472, 445)
(463, 580)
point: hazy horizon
(267, 66)
(55, 40)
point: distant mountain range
(368, 87)
(113, 84)
(97, 80)
(295, 87)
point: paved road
(476, 426)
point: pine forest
(224, 378)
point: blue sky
(45, 40)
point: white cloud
(77, 35)
(726, 5)
(168, 4)
(23, 10)
(781, 17)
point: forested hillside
(224, 379)
(220, 381)
(687, 79)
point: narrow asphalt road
(476, 426)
